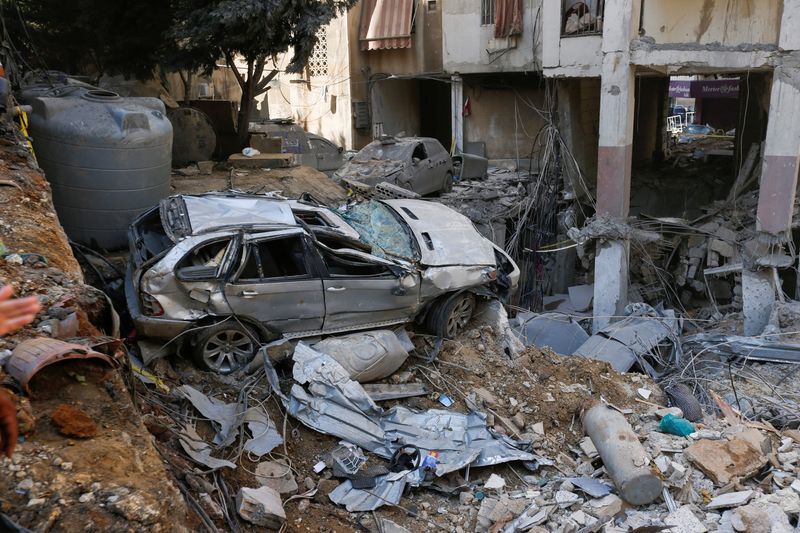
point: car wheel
(450, 316)
(448, 182)
(225, 347)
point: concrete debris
(726, 460)
(277, 475)
(490, 202)
(494, 482)
(261, 506)
(684, 521)
(731, 499)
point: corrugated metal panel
(386, 24)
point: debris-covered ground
(109, 445)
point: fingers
(6, 292)
(16, 313)
(19, 306)
(9, 326)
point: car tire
(448, 183)
(450, 315)
(225, 347)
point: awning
(386, 24)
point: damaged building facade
(511, 79)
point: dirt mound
(73, 422)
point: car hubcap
(460, 316)
(227, 350)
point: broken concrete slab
(605, 508)
(724, 461)
(684, 521)
(261, 506)
(731, 499)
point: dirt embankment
(113, 480)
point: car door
(277, 284)
(422, 171)
(328, 156)
(439, 163)
(360, 291)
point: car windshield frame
(378, 151)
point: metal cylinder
(623, 456)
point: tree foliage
(133, 37)
(91, 37)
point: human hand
(9, 430)
(16, 312)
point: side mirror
(415, 161)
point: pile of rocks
(490, 202)
(723, 477)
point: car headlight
(150, 305)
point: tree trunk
(187, 87)
(245, 109)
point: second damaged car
(225, 272)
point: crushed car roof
(187, 214)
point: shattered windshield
(393, 151)
(378, 227)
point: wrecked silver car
(225, 272)
(419, 164)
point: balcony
(581, 18)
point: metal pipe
(623, 456)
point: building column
(781, 162)
(457, 112)
(614, 160)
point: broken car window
(419, 152)
(207, 255)
(380, 228)
(275, 258)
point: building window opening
(487, 12)
(582, 18)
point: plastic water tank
(107, 159)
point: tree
(135, 37)
(93, 37)
(254, 30)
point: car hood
(445, 237)
(374, 168)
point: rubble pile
(491, 202)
